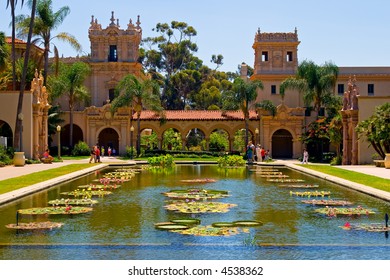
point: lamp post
(59, 140)
(131, 141)
(20, 118)
(257, 135)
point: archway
(77, 135)
(282, 145)
(108, 137)
(6, 135)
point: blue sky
(348, 33)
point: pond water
(121, 225)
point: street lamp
(131, 141)
(59, 140)
(257, 135)
(20, 118)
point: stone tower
(114, 54)
(276, 53)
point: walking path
(13, 172)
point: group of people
(256, 153)
(98, 152)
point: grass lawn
(364, 179)
(37, 177)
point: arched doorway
(6, 136)
(282, 145)
(77, 135)
(108, 137)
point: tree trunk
(138, 133)
(12, 3)
(18, 123)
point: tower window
(370, 89)
(113, 55)
(273, 89)
(340, 89)
(111, 94)
(264, 56)
(289, 56)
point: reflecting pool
(121, 225)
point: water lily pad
(35, 226)
(374, 227)
(188, 221)
(200, 207)
(211, 231)
(309, 194)
(327, 202)
(55, 210)
(299, 186)
(171, 226)
(69, 201)
(93, 187)
(223, 224)
(87, 194)
(286, 180)
(334, 212)
(201, 181)
(247, 223)
(196, 194)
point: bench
(379, 162)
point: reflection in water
(122, 224)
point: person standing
(109, 151)
(262, 152)
(258, 153)
(250, 149)
(93, 155)
(305, 157)
(102, 151)
(97, 154)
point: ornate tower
(276, 53)
(114, 54)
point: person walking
(97, 154)
(109, 151)
(305, 157)
(258, 153)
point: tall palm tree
(242, 95)
(70, 82)
(12, 4)
(3, 51)
(18, 121)
(46, 21)
(138, 95)
(314, 81)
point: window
(340, 89)
(113, 55)
(264, 56)
(321, 113)
(289, 56)
(307, 112)
(273, 89)
(111, 94)
(370, 89)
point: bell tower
(276, 53)
(114, 54)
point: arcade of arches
(280, 133)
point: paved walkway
(12, 172)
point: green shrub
(162, 161)
(231, 161)
(131, 152)
(336, 161)
(81, 149)
(5, 157)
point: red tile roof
(179, 115)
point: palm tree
(12, 4)
(315, 82)
(18, 121)
(3, 51)
(70, 82)
(138, 95)
(47, 21)
(241, 96)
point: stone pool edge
(20, 193)
(345, 183)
